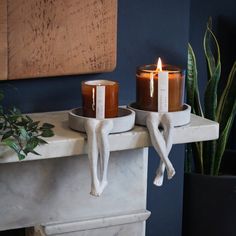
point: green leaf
(7, 134)
(12, 118)
(227, 99)
(21, 156)
(47, 133)
(35, 153)
(32, 143)
(42, 141)
(34, 124)
(193, 98)
(28, 118)
(24, 133)
(207, 48)
(20, 133)
(15, 111)
(191, 76)
(214, 67)
(12, 144)
(222, 141)
(226, 114)
(47, 126)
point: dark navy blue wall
(146, 30)
(224, 26)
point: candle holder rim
(166, 67)
(135, 106)
(124, 122)
(110, 82)
(180, 118)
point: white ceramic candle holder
(180, 118)
(98, 144)
(160, 127)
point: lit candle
(149, 78)
(163, 91)
(100, 99)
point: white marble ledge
(67, 142)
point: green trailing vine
(20, 133)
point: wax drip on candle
(93, 98)
(158, 68)
(151, 84)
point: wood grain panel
(3, 40)
(58, 37)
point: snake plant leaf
(222, 141)
(212, 55)
(227, 99)
(210, 98)
(207, 48)
(226, 114)
(194, 101)
(192, 84)
(198, 157)
(197, 104)
(191, 76)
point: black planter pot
(209, 205)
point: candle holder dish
(180, 118)
(98, 144)
(160, 127)
(122, 123)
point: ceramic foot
(98, 148)
(160, 128)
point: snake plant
(206, 157)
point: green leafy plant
(20, 133)
(206, 157)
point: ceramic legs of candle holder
(98, 152)
(98, 143)
(160, 127)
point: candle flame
(159, 64)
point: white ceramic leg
(162, 142)
(90, 126)
(98, 147)
(103, 130)
(158, 181)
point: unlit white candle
(163, 91)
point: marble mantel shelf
(67, 142)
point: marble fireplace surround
(51, 191)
